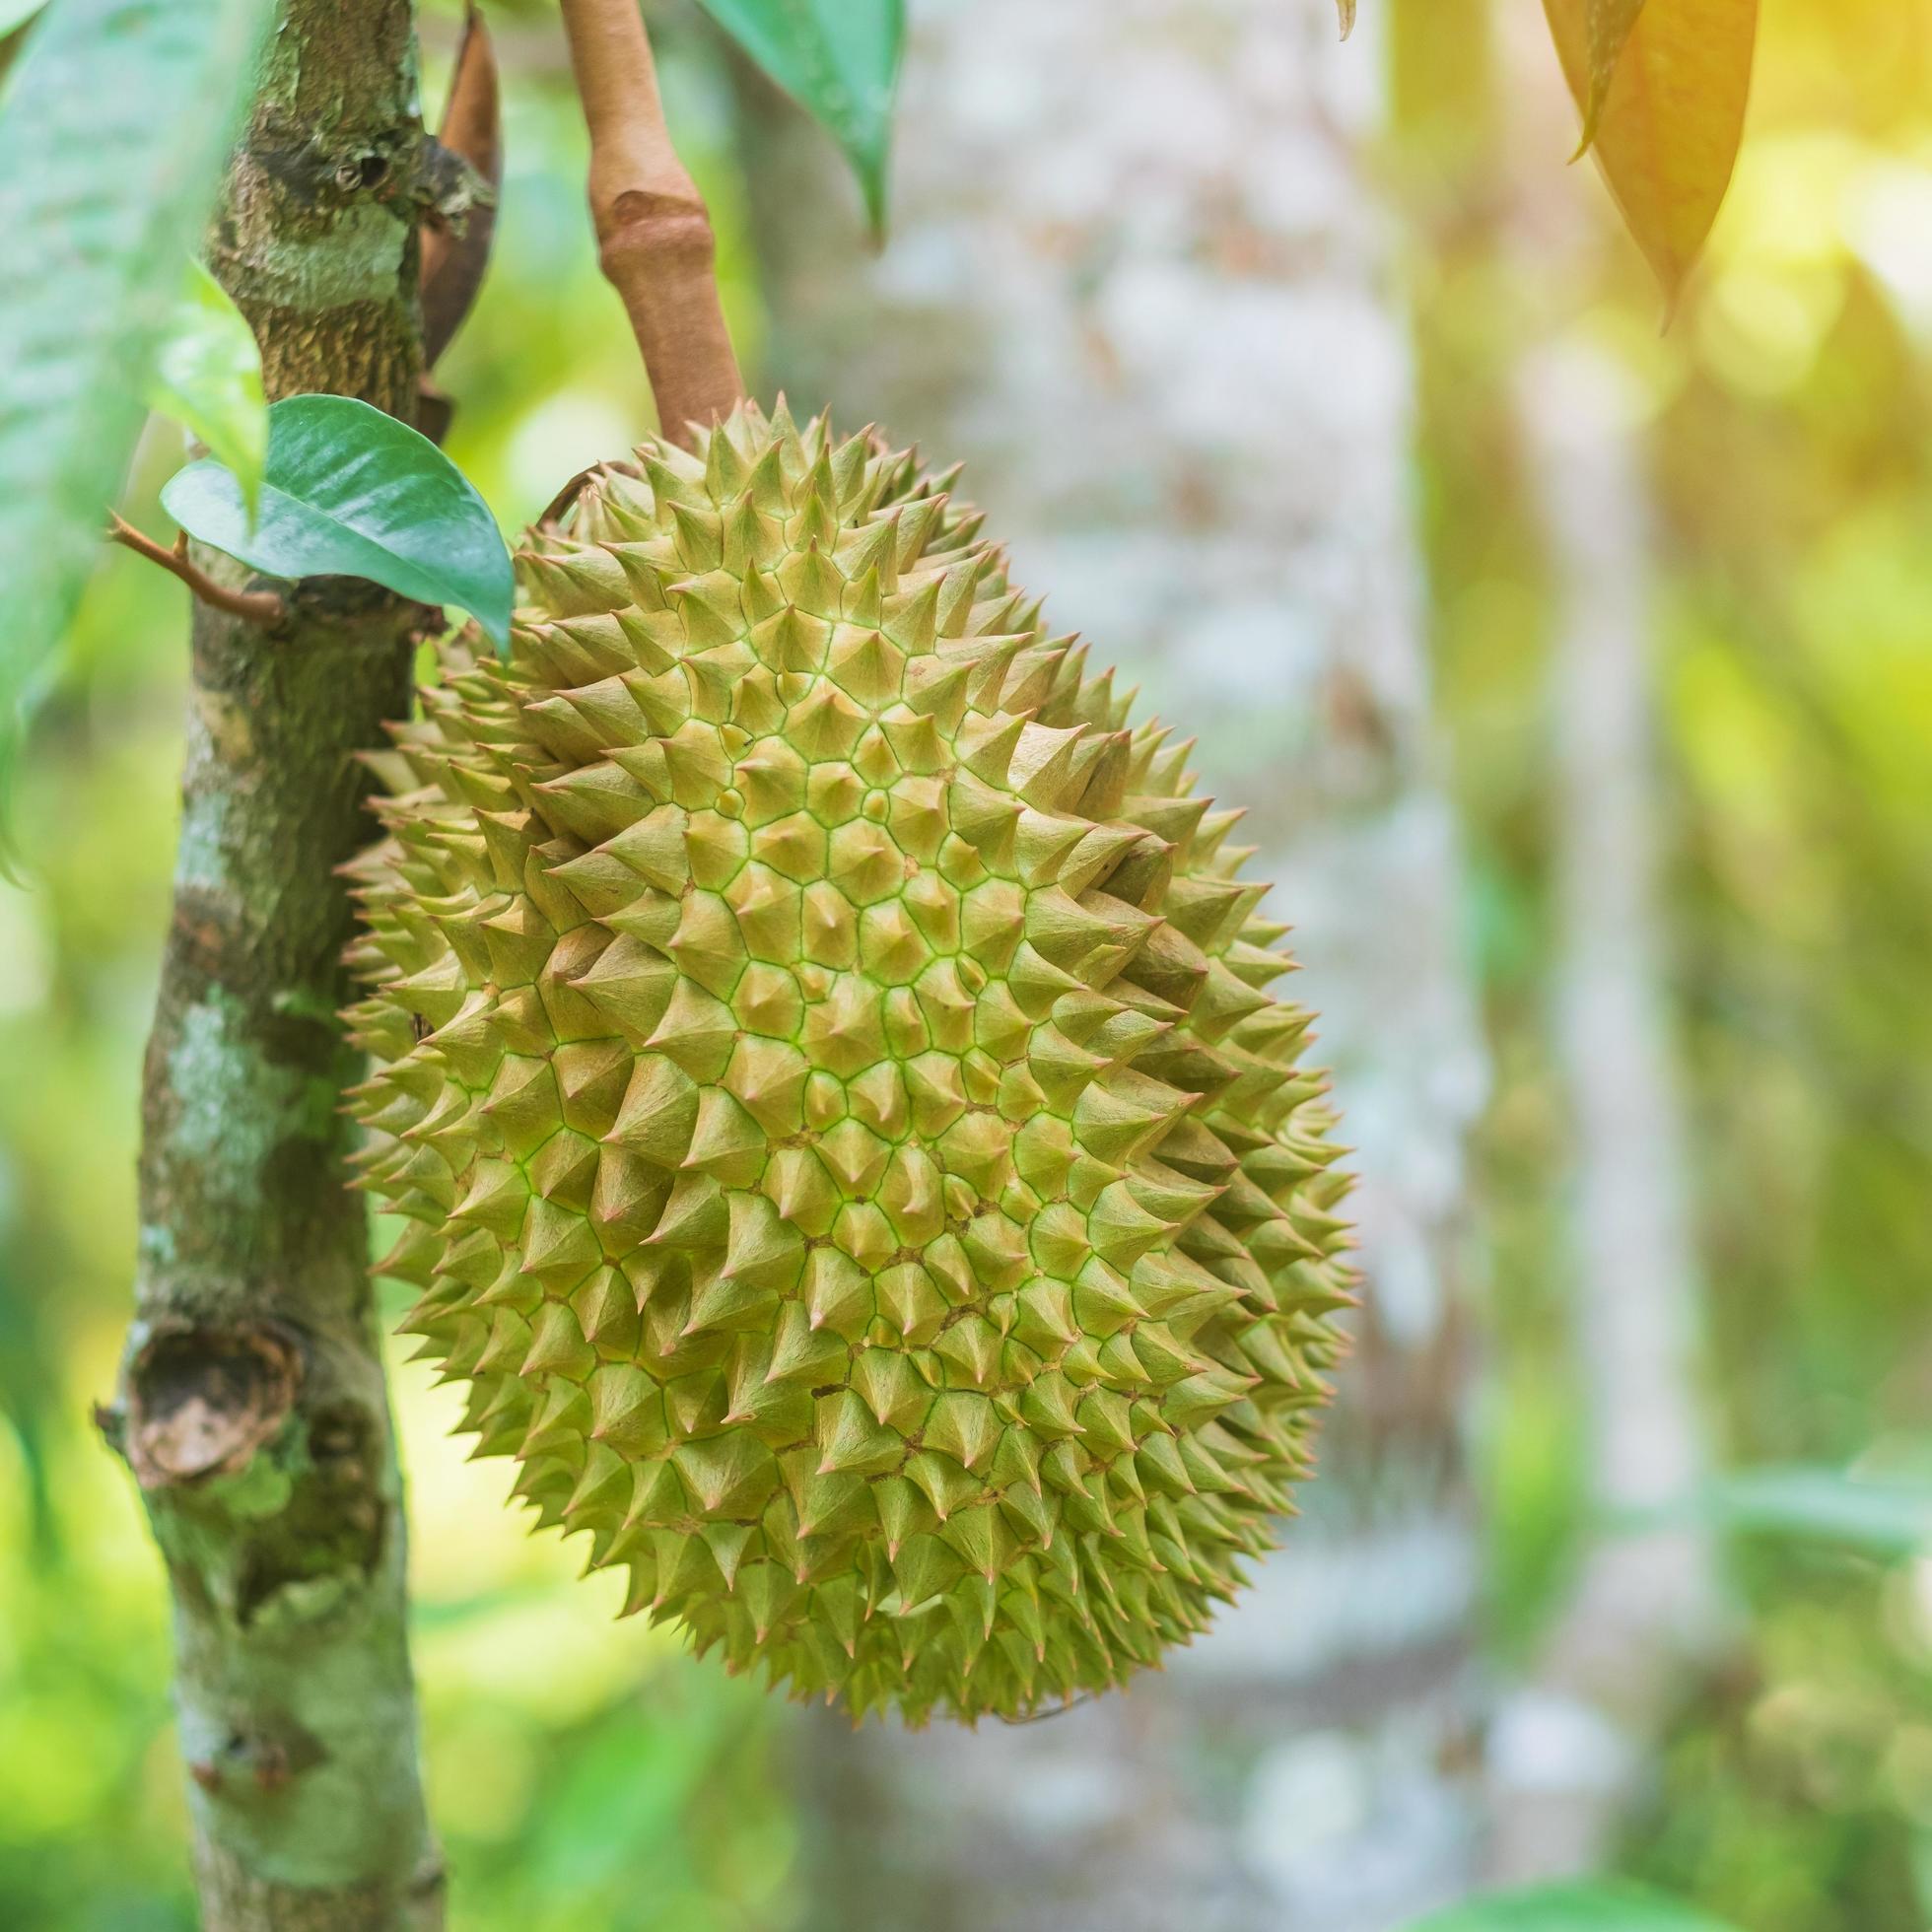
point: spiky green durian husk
(823, 1062)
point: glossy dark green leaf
(114, 124)
(350, 492)
(208, 377)
(837, 58)
(1602, 1908)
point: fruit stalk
(655, 238)
(252, 1407)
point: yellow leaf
(1670, 115)
(1607, 32)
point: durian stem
(655, 238)
(262, 607)
(252, 1405)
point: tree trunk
(1139, 281)
(252, 1408)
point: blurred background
(1579, 674)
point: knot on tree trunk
(202, 1400)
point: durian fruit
(823, 1064)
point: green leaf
(15, 14)
(208, 377)
(838, 59)
(350, 492)
(114, 124)
(1883, 1516)
(1605, 1907)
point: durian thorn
(263, 608)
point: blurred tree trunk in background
(1571, 1748)
(1139, 281)
(1574, 1745)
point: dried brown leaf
(455, 258)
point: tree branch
(653, 233)
(263, 608)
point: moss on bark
(252, 1405)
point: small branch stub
(263, 608)
(654, 234)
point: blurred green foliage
(1787, 414)
(584, 1774)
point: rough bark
(252, 1408)
(1138, 280)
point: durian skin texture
(824, 1062)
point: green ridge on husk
(823, 1061)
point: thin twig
(263, 608)
(654, 238)
(560, 505)
(1047, 1715)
